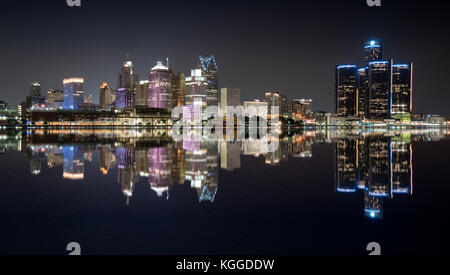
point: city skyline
(298, 66)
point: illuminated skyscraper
(73, 93)
(210, 70)
(362, 86)
(273, 99)
(373, 51)
(160, 87)
(302, 107)
(160, 169)
(35, 89)
(178, 90)
(230, 97)
(346, 90)
(380, 89)
(124, 99)
(196, 88)
(127, 78)
(107, 97)
(402, 83)
(55, 99)
(142, 93)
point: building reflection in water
(377, 165)
(380, 166)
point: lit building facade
(35, 89)
(160, 87)
(107, 97)
(73, 93)
(142, 93)
(127, 78)
(178, 90)
(402, 88)
(362, 93)
(196, 88)
(73, 164)
(346, 90)
(124, 99)
(55, 99)
(380, 89)
(230, 97)
(373, 51)
(210, 70)
(273, 99)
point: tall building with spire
(127, 78)
(210, 70)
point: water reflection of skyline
(377, 164)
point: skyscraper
(142, 93)
(196, 88)
(302, 107)
(362, 94)
(230, 97)
(73, 93)
(273, 99)
(124, 99)
(55, 99)
(373, 51)
(179, 90)
(380, 89)
(402, 80)
(210, 70)
(346, 90)
(160, 87)
(35, 89)
(127, 78)
(107, 96)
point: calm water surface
(139, 192)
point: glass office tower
(402, 79)
(73, 93)
(373, 51)
(362, 93)
(210, 70)
(380, 89)
(160, 87)
(346, 90)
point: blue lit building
(210, 70)
(402, 88)
(124, 99)
(73, 93)
(73, 165)
(373, 51)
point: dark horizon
(259, 46)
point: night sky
(290, 46)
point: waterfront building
(73, 93)
(35, 89)
(124, 99)
(380, 89)
(55, 99)
(160, 87)
(273, 99)
(402, 89)
(107, 97)
(362, 93)
(178, 90)
(210, 70)
(373, 51)
(302, 108)
(142, 93)
(197, 88)
(230, 97)
(345, 90)
(127, 78)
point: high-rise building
(107, 97)
(373, 51)
(346, 90)
(127, 78)
(124, 99)
(178, 90)
(35, 89)
(3, 105)
(402, 88)
(55, 99)
(230, 97)
(142, 93)
(196, 88)
(160, 87)
(362, 92)
(380, 89)
(73, 93)
(302, 107)
(273, 99)
(210, 70)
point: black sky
(290, 46)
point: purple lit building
(160, 169)
(124, 99)
(160, 87)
